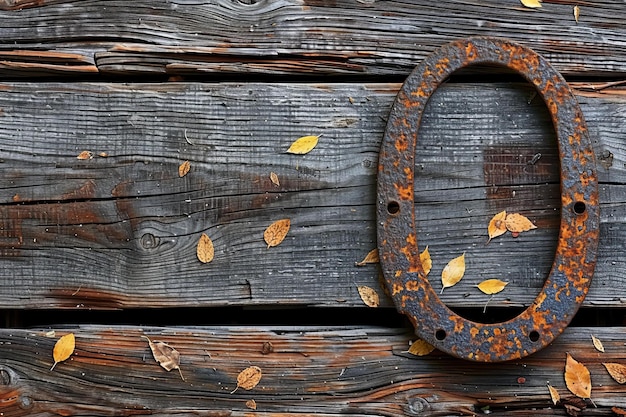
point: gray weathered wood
(305, 370)
(291, 36)
(121, 230)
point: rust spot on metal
(576, 253)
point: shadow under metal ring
(575, 258)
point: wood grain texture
(121, 230)
(309, 37)
(327, 371)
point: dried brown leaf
(276, 232)
(205, 250)
(370, 258)
(554, 394)
(63, 349)
(577, 378)
(303, 145)
(617, 371)
(453, 272)
(576, 13)
(165, 355)
(248, 378)
(597, 343)
(427, 263)
(533, 4)
(492, 286)
(85, 155)
(369, 296)
(497, 225)
(184, 168)
(618, 411)
(251, 404)
(274, 179)
(516, 223)
(421, 348)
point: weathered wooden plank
(299, 37)
(120, 231)
(326, 371)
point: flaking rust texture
(574, 262)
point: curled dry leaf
(251, 404)
(274, 179)
(492, 286)
(369, 296)
(554, 394)
(453, 272)
(617, 371)
(276, 232)
(205, 250)
(63, 349)
(577, 378)
(516, 223)
(184, 168)
(618, 411)
(421, 348)
(576, 13)
(597, 343)
(165, 355)
(533, 4)
(370, 258)
(85, 155)
(427, 263)
(248, 378)
(303, 145)
(497, 225)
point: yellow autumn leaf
(274, 179)
(427, 263)
(368, 295)
(421, 348)
(597, 343)
(492, 286)
(577, 378)
(370, 258)
(248, 378)
(576, 13)
(303, 145)
(554, 394)
(85, 155)
(533, 4)
(617, 371)
(516, 223)
(276, 232)
(497, 225)
(453, 272)
(63, 349)
(184, 168)
(251, 404)
(205, 250)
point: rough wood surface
(313, 37)
(306, 370)
(121, 230)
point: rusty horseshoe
(570, 276)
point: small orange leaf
(205, 250)
(421, 348)
(85, 155)
(453, 272)
(617, 371)
(533, 4)
(303, 145)
(369, 296)
(248, 378)
(497, 225)
(597, 343)
(492, 286)
(577, 378)
(427, 263)
(274, 179)
(63, 349)
(165, 355)
(370, 258)
(554, 394)
(251, 404)
(276, 232)
(184, 168)
(516, 223)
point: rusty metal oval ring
(575, 257)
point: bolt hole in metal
(533, 336)
(393, 207)
(579, 207)
(440, 334)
